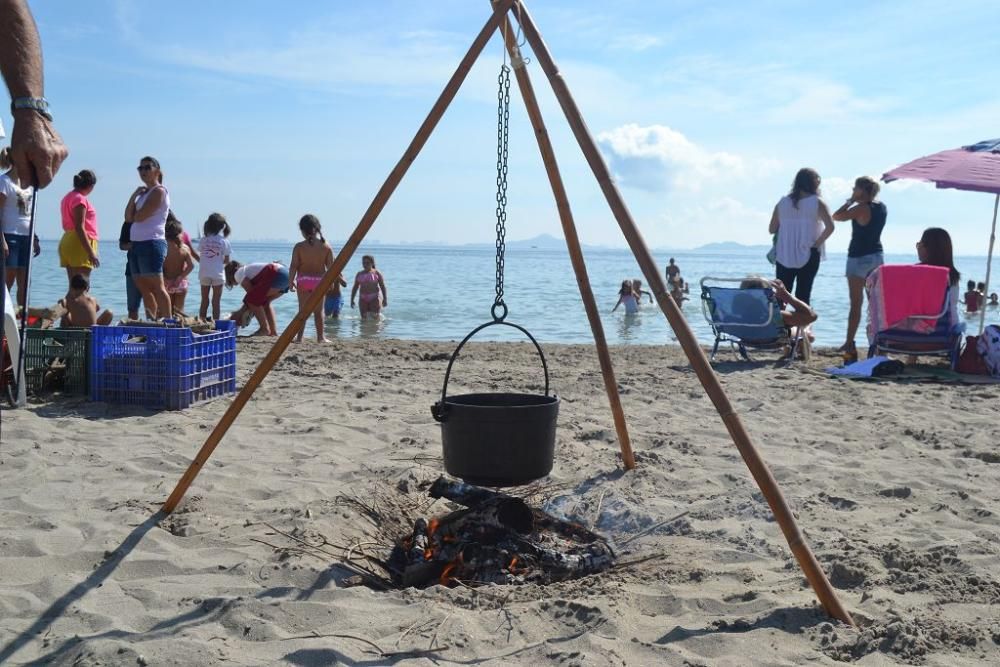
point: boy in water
(81, 308)
(334, 300)
(972, 297)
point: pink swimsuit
(177, 285)
(306, 282)
(368, 277)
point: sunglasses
(144, 167)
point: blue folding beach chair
(745, 317)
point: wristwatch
(39, 104)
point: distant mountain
(543, 241)
(729, 247)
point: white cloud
(720, 218)
(657, 158)
(904, 184)
(835, 188)
(356, 60)
(817, 101)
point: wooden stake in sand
(572, 241)
(699, 362)
(340, 262)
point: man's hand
(779, 289)
(36, 149)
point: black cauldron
(497, 439)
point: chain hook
(503, 121)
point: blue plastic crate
(168, 368)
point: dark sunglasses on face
(144, 167)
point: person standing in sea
(803, 224)
(864, 254)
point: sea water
(443, 292)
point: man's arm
(37, 151)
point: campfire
(498, 539)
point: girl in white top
(215, 251)
(147, 210)
(803, 224)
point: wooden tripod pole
(572, 242)
(699, 362)
(340, 262)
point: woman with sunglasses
(147, 210)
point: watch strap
(39, 104)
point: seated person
(81, 308)
(801, 315)
(994, 300)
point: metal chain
(503, 118)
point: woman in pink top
(78, 247)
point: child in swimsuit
(176, 266)
(637, 288)
(311, 259)
(971, 297)
(215, 251)
(627, 298)
(81, 308)
(334, 301)
(369, 282)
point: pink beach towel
(898, 292)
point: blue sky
(265, 111)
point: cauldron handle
(439, 410)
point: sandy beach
(896, 485)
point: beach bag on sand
(971, 362)
(988, 347)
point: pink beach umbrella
(975, 167)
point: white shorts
(209, 281)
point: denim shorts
(20, 250)
(146, 257)
(860, 267)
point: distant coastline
(540, 242)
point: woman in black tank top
(864, 254)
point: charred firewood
(596, 558)
(488, 507)
(462, 493)
(418, 541)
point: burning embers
(497, 539)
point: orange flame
(448, 569)
(432, 527)
(446, 574)
(513, 562)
